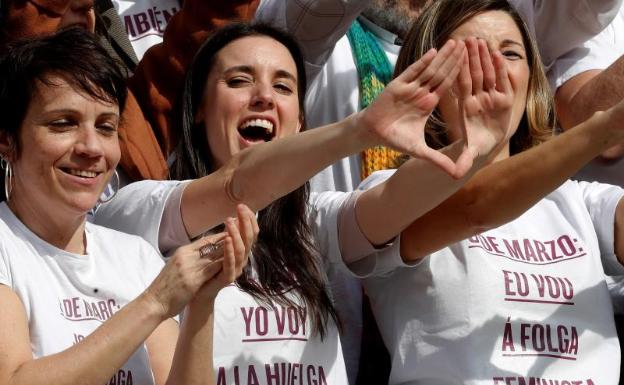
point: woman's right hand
(398, 116)
(485, 99)
(188, 271)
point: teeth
(266, 124)
(83, 173)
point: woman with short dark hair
(83, 304)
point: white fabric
(145, 21)
(67, 296)
(598, 53)
(272, 345)
(520, 302)
(149, 209)
(138, 209)
(562, 25)
(334, 95)
(333, 92)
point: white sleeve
(562, 25)
(139, 208)
(149, 264)
(601, 201)
(5, 276)
(596, 54)
(316, 24)
(339, 237)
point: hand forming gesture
(399, 114)
(200, 269)
(485, 99)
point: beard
(395, 16)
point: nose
(88, 143)
(263, 96)
(80, 12)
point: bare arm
(590, 91)
(504, 190)
(94, 360)
(193, 360)
(259, 175)
(485, 102)
(91, 361)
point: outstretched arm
(259, 175)
(485, 99)
(504, 190)
(590, 91)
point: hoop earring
(8, 178)
(109, 198)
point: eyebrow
(249, 70)
(70, 111)
(512, 42)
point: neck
(65, 232)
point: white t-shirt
(333, 83)
(523, 303)
(261, 339)
(67, 296)
(149, 209)
(145, 21)
(259, 344)
(596, 54)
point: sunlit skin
(64, 133)
(252, 78)
(501, 33)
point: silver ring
(210, 249)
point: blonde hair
(434, 27)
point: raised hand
(485, 101)
(193, 271)
(399, 114)
(242, 232)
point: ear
(7, 146)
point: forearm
(95, 359)
(417, 187)
(259, 175)
(504, 190)
(192, 362)
(597, 92)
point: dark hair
(284, 256)
(434, 27)
(72, 54)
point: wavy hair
(434, 27)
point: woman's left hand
(399, 114)
(241, 234)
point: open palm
(399, 114)
(485, 98)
